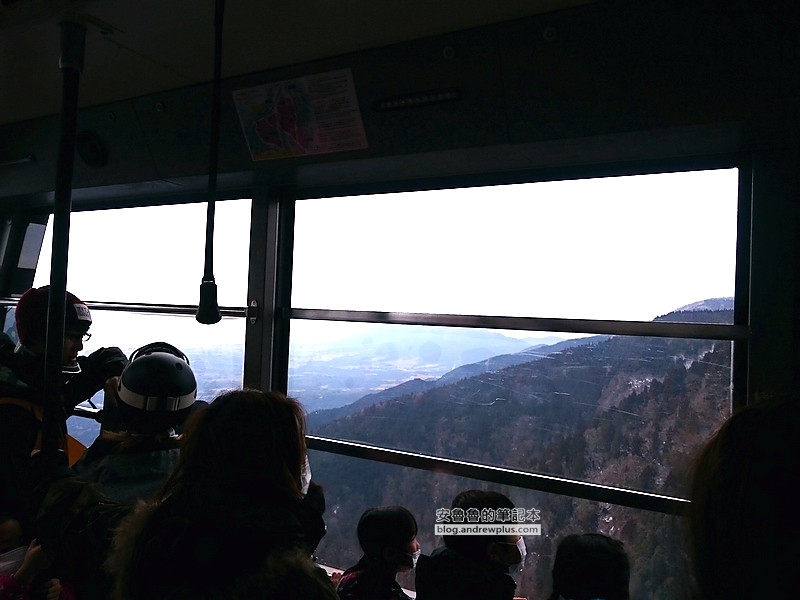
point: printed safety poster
(317, 114)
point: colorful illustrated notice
(317, 114)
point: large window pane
(154, 254)
(621, 411)
(627, 248)
(624, 411)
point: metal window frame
(268, 327)
(738, 332)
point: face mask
(305, 477)
(11, 561)
(415, 558)
(523, 551)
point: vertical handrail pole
(73, 37)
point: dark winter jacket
(130, 474)
(21, 410)
(74, 522)
(203, 548)
(449, 575)
(368, 581)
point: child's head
(157, 389)
(388, 534)
(10, 533)
(589, 566)
(12, 546)
(507, 550)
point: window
(154, 255)
(578, 330)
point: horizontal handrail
(144, 307)
(522, 479)
(711, 331)
(533, 481)
(86, 412)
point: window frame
(282, 207)
(19, 280)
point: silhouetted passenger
(21, 381)
(590, 566)
(74, 521)
(743, 514)
(388, 538)
(137, 446)
(472, 567)
(231, 514)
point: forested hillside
(626, 412)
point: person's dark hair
(474, 545)
(246, 441)
(385, 527)
(590, 566)
(743, 509)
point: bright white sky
(629, 248)
(612, 248)
(155, 255)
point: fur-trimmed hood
(197, 548)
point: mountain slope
(489, 365)
(627, 412)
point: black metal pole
(73, 36)
(208, 308)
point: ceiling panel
(139, 47)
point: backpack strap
(36, 411)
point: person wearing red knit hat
(22, 386)
(30, 319)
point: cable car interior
(544, 247)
